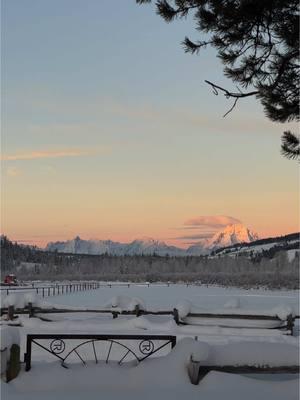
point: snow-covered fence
(240, 358)
(265, 322)
(184, 313)
(51, 290)
(10, 352)
(234, 316)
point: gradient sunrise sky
(109, 131)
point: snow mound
(184, 308)
(201, 353)
(20, 300)
(8, 336)
(255, 354)
(236, 354)
(125, 303)
(145, 324)
(282, 311)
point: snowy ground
(164, 377)
(162, 296)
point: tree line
(30, 263)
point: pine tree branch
(230, 94)
(233, 106)
(258, 42)
(192, 47)
(290, 145)
(168, 13)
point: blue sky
(108, 129)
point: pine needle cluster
(258, 43)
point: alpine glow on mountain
(144, 246)
(228, 236)
(231, 234)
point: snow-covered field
(163, 296)
(163, 377)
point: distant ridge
(256, 250)
(145, 246)
(231, 234)
(290, 240)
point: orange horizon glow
(92, 148)
(124, 238)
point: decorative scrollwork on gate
(112, 347)
(124, 354)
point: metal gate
(98, 348)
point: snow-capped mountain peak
(142, 246)
(231, 234)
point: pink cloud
(211, 221)
(33, 155)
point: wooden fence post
(10, 313)
(290, 323)
(176, 316)
(137, 310)
(13, 366)
(195, 371)
(30, 310)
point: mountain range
(230, 235)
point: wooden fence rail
(32, 311)
(53, 290)
(74, 287)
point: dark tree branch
(231, 94)
(258, 43)
(228, 94)
(229, 111)
(290, 145)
